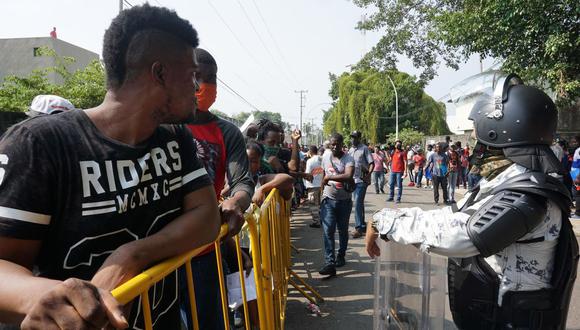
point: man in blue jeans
(398, 171)
(336, 203)
(363, 168)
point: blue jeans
(419, 176)
(395, 176)
(335, 213)
(451, 182)
(207, 293)
(378, 180)
(359, 207)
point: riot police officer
(503, 238)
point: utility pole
(302, 97)
(120, 6)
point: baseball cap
(48, 105)
(355, 134)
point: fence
(268, 230)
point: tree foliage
(84, 88)
(272, 116)
(538, 39)
(408, 137)
(364, 100)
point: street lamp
(396, 109)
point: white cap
(49, 105)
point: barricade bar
(270, 248)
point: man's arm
(44, 303)
(344, 177)
(238, 175)
(283, 182)
(294, 163)
(371, 166)
(198, 225)
(439, 231)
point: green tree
(85, 88)
(407, 136)
(365, 100)
(538, 39)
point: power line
(274, 41)
(127, 3)
(260, 65)
(257, 91)
(262, 40)
(230, 89)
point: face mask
(481, 152)
(206, 96)
(271, 151)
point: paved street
(349, 296)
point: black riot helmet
(517, 115)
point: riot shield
(409, 289)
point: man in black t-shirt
(91, 198)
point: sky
(266, 50)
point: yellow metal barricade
(268, 228)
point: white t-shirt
(314, 164)
(410, 155)
(429, 153)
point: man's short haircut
(338, 137)
(313, 149)
(266, 126)
(203, 56)
(140, 34)
(251, 145)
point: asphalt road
(349, 297)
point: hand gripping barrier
(268, 229)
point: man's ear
(158, 73)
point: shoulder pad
(541, 184)
(503, 219)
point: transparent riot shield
(409, 288)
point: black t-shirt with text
(83, 195)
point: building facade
(20, 56)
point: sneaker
(314, 225)
(356, 234)
(237, 318)
(340, 261)
(390, 200)
(328, 270)
(411, 184)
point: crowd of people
(90, 198)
